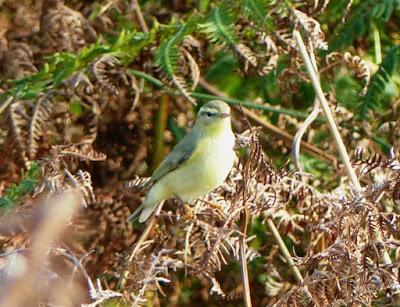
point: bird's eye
(209, 114)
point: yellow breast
(206, 169)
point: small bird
(199, 163)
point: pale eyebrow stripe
(211, 110)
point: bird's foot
(187, 212)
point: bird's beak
(223, 115)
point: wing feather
(177, 157)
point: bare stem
(285, 251)
(325, 107)
(313, 115)
(243, 260)
(377, 44)
(332, 125)
(140, 17)
(300, 132)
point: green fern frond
(16, 192)
(220, 27)
(60, 66)
(379, 82)
(224, 65)
(167, 55)
(382, 11)
(130, 43)
(255, 10)
(360, 21)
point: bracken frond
(92, 123)
(247, 54)
(219, 27)
(103, 69)
(167, 55)
(81, 182)
(38, 124)
(255, 10)
(312, 28)
(20, 125)
(193, 67)
(83, 152)
(354, 63)
(181, 84)
(379, 81)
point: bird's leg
(187, 209)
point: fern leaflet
(220, 28)
(379, 82)
(167, 55)
(361, 20)
(255, 10)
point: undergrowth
(94, 94)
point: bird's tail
(135, 213)
(154, 197)
(144, 211)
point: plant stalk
(377, 44)
(243, 261)
(332, 125)
(329, 116)
(140, 17)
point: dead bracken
(94, 94)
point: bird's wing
(177, 157)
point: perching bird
(199, 163)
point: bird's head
(214, 115)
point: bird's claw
(188, 213)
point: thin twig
(242, 239)
(243, 258)
(231, 101)
(248, 104)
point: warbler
(198, 164)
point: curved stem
(325, 107)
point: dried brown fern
(38, 124)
